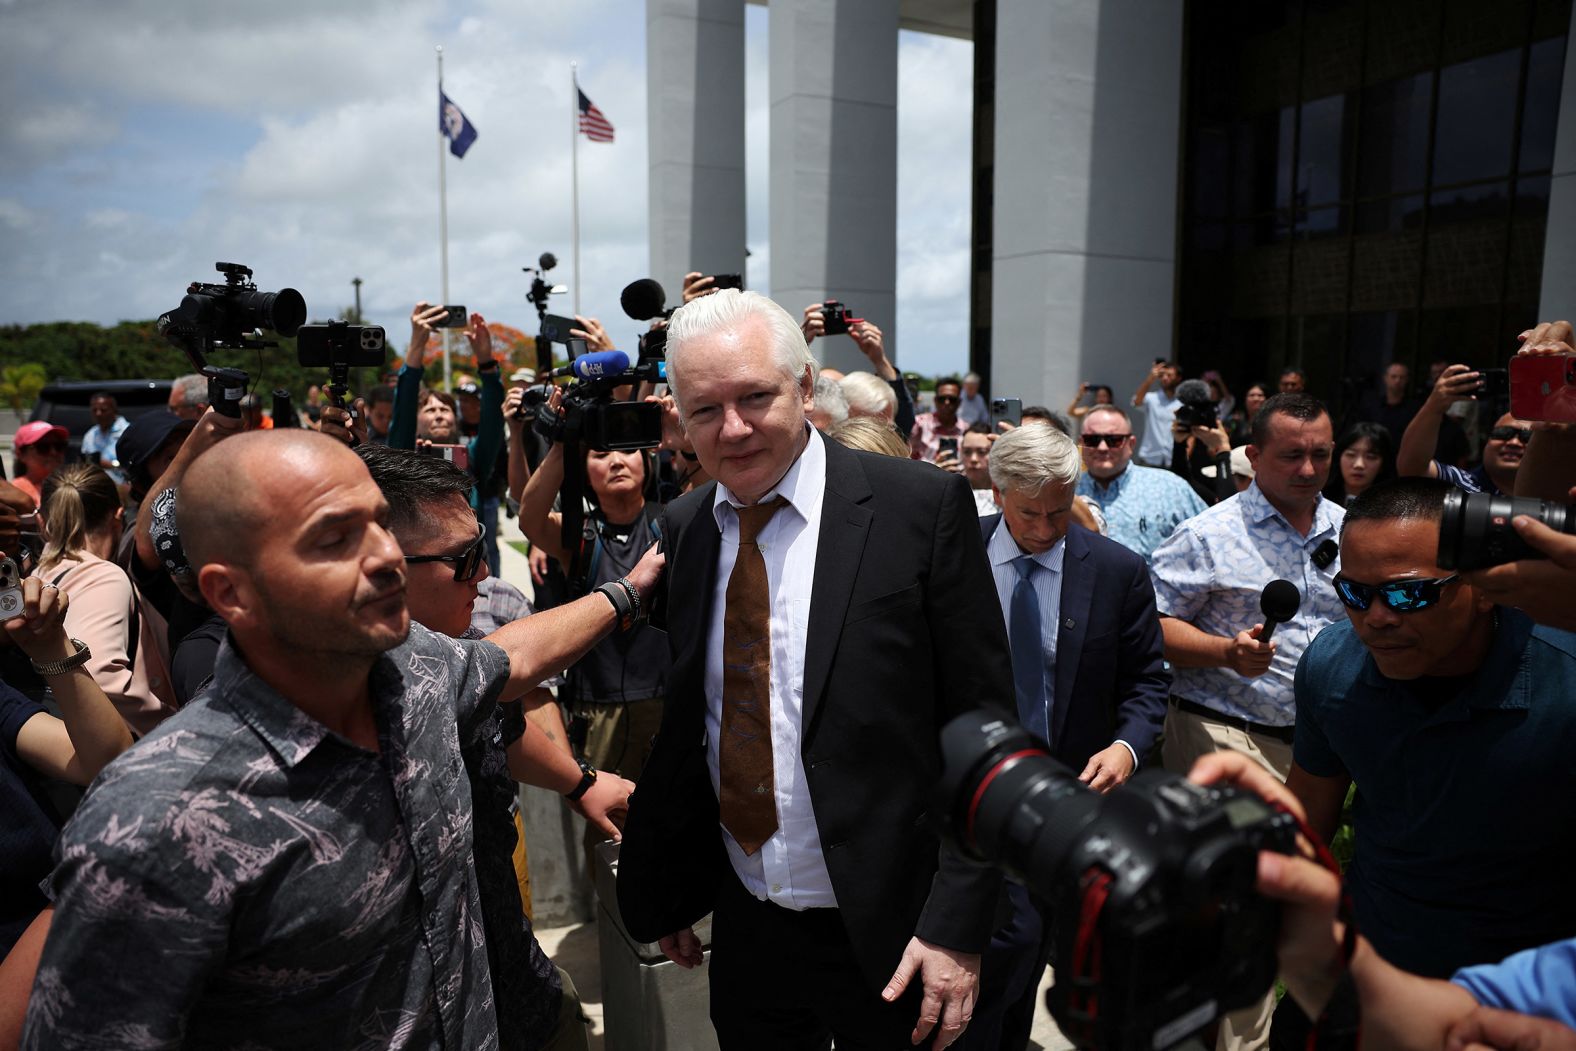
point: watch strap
(587, 779)
(60, 667)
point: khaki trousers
(1187, 737)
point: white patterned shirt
(1211, 573)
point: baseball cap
(147, 435)
(522, 376)
(468, 388)
(1239, 462)
(37, 431)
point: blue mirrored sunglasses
(1402, 596)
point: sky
(143, 140)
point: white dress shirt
(789, 869)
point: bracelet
(638, 616)
(60, 667)
(622, 607)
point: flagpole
(574, 178)
(443, 218)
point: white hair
(829, 399)
(869, 395)
(1026, 459)
(731, 309)
(191, 389)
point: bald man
(287, 862)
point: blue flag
(453, 123)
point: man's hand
(1543, 590)
(1108, 768)
(673, 438)
(813, 324)
(948, 460)
(697, 284)
(538, 560)
(606, 803)
(1549, 337)
(40, 630)
(951, 981)
(648, 573)
(479, 336)
(593, 333)
(683, 948)
(1488, 1027)
(1215, 438)
(1456, 383)
(1246, 655)
(422, 319)
(346, 425)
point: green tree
(20, 384)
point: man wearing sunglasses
(930, 427)
(1142, 505)
(1502, 452)
(1452, 717)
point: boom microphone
(596, 366)
(1278, 603)
(643, 299)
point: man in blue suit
(1088, 670)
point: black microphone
(643, 299)
(1279, 604)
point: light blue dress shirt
(1211, 573)
(1003, 551)
(1142, 505)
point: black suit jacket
(905, 631)
(1111, 681)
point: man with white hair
(1087, 665)
(788, 790)
(869, 395)
(973, 408)
(831, 407)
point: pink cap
(37, 431)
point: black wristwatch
(587, 779)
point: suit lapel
(1077, 597)
(845, 525)
(692, 579)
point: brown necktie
(748, 798)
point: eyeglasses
(1505, 434)
(466, 564)
(950, 399)
(1094, 441)
(1401, 596)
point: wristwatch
(587, 779)
(76, 660)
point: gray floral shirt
(244, 878)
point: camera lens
(283, 311)
(1475, 530)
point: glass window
(1394, 141)
(1209, 172)
(1263, 162)
(1322, 152)
(1477, 114)
(1545, 66)
(1390, 214)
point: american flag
(593, 125)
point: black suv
(66, 403)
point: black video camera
(1475, 530)
(213, 317)
(1158, 927)
(837, 318)
(1195, 405)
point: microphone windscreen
(602, 363)
(1194, 392)
(643, 299)
(1280, 600)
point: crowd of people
(280, 654)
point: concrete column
(695, 114)
(1558, 298)
(834, 162)
(1088, 111)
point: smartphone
(1543, 388)
(1494, 385)
(456, 318)
(319, 346)
(458, 455)
(556, 328)
(947, 445)
(10, 589)
(1006, 410)
(727, 281)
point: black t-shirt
(626, 665)
(191, 665)
(28, 825)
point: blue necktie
(1028, 663)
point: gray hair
(730, 309)
(1026, 459)
(1115, 410)
(190, 390)
(868, 395)
(829, 399)
(972, 377)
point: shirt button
(777, 888)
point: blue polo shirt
(1466, 795)
(1539, 981)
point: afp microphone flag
(451, 122)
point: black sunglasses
(1505, 434)
(1402, 596)
(1094, 441)
(466, 564)
(951, 398)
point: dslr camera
(213, 317)
(1157, 924)
(1475, 530)
(837, 318)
